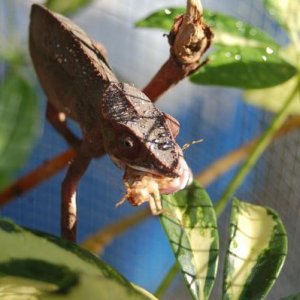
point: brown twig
(98, 241)
(43, 172)
(189, 38)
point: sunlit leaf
(190, 223)
(40, 265)
(244, 67)
(161, 19)
(256, 252)
(19, 117)
(273, 98)
(285, 12)
(67, 7)
(228, 30)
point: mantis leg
(68, 195)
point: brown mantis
(114, 117)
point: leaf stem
(257, 151)
(173, 271)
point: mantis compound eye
(128, 146)
(127, 142)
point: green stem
(257, 151)
(173, 271)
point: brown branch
(43, 172)
(189, 38)
(98, 241)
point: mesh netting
(217, 115)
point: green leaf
(36, 264)
(87, 287)
(19, 117)
(228, 30)
(59, 276)
(161, 19)
(244, 67)
(286, 13)
(273, 98)
(67, 7)
(256, 252)
(191, 227)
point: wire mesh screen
(217, 115)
